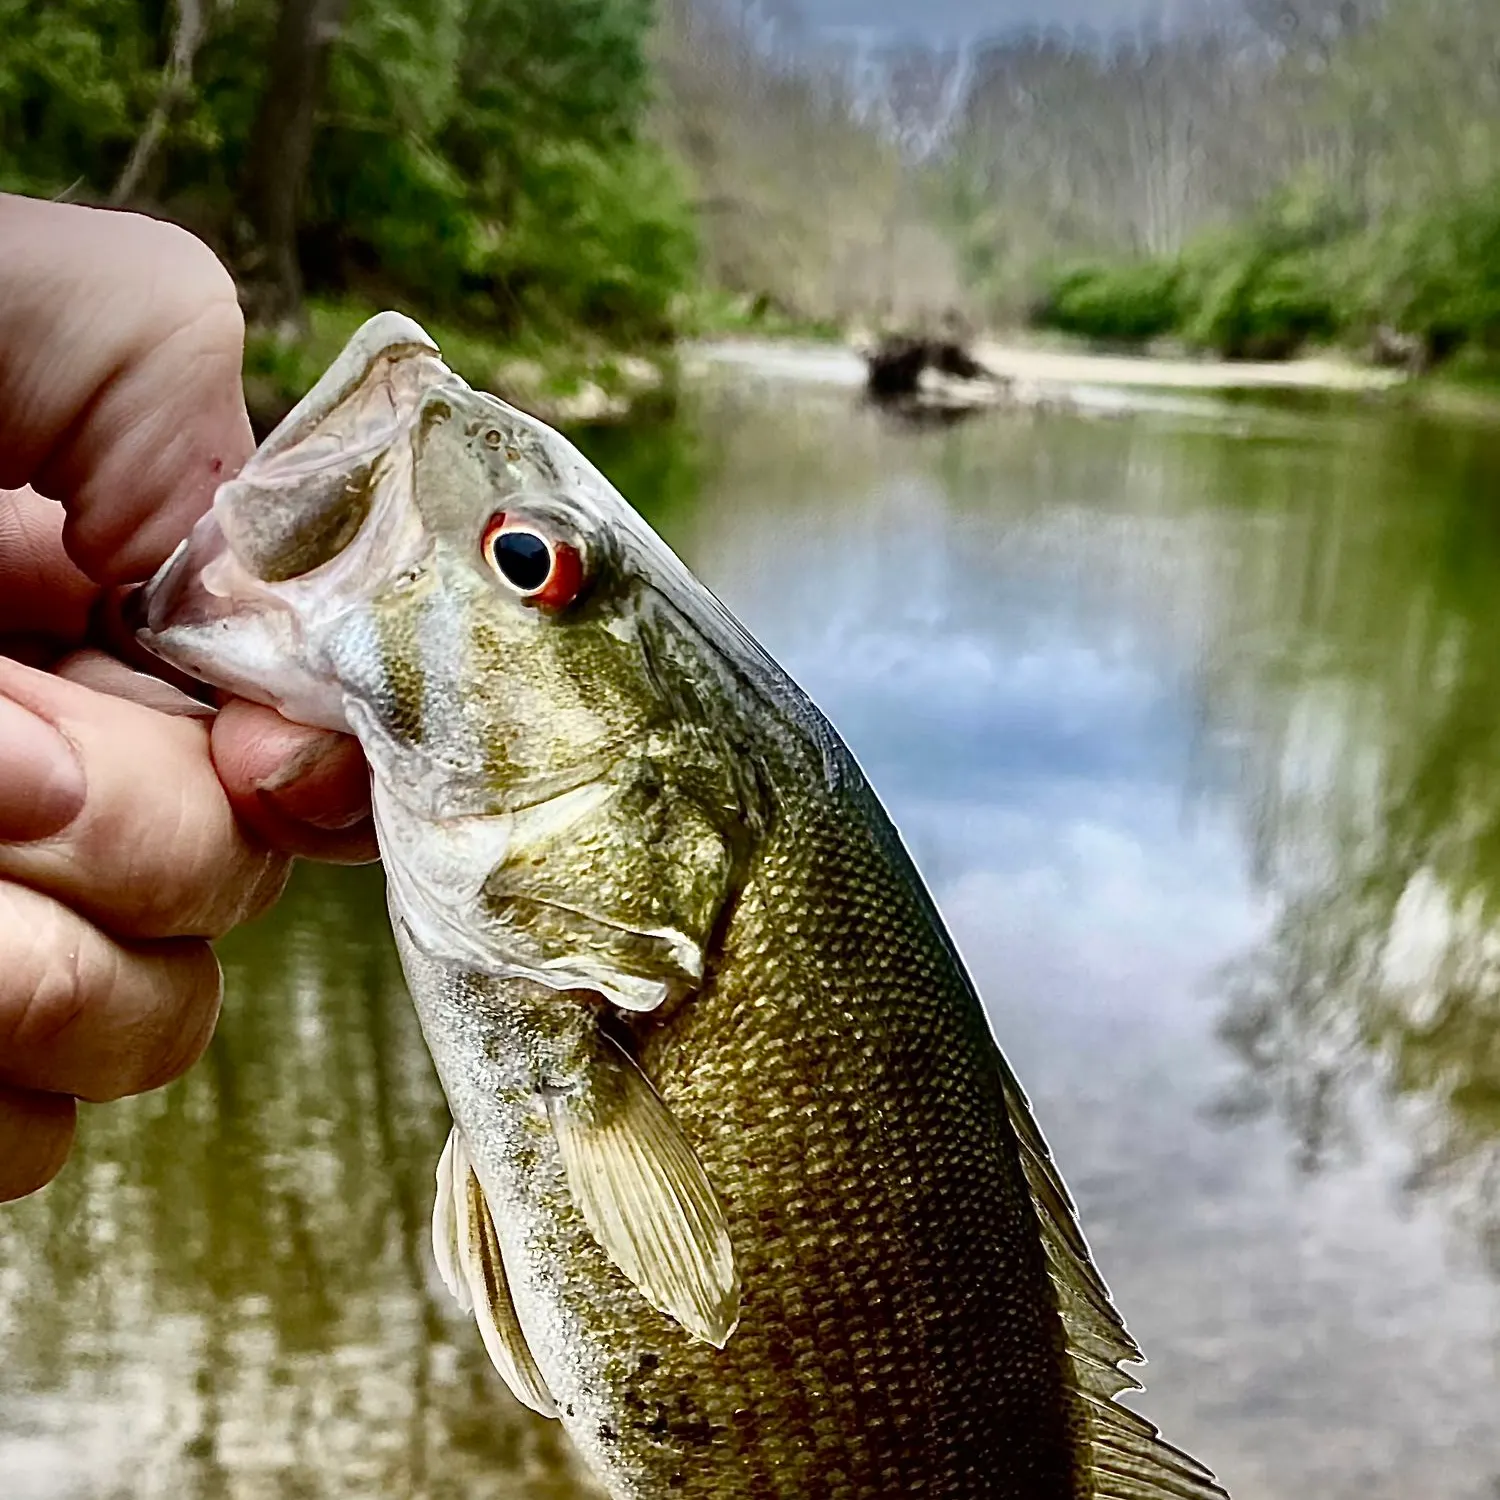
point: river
(1189, 710)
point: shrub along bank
(1421, 289)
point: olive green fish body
(898, 1333)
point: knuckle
(193, 874)
(57, 983)
(216, 892)
(74, 982)
(190, 306)
(120, 1021)
(263, 889)
(153, 857)
(189, 274)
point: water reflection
(1191, 719)
(1376, 763)
(230, 1294)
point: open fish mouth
(231, 603)
(180, 594)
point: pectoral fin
(644, 1193)
(468, 1259)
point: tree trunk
(176, 89)
(279, 156)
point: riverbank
(1033, 374)
(1082, 367)
(570, 385)
(1051, 370)
(563, 384)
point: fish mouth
(180, 593)
(220, 607)
(198, 615)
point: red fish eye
(540, 569)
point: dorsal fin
(1129, 1460)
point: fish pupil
(522, 559)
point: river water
(1190, 713)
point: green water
(1191, 716)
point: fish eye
(522, 559)
(538, 568)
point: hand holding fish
(131, 831)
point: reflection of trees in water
(238, 1265)
(1373, 701)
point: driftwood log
(898, 362)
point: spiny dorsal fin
(642, 1190)
(469, 1261)
(1129, 1460)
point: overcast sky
(968, 18)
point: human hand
(131, 830)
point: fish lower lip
(175, 595)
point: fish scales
(844, 1091)
(740, 1187)
(899, 1334)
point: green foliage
(1339, 183)
(1259, 296)
(484, 157)
(1437, 274)
(1264, 291)
(76, 80)
(480, 161)
(1128, 304)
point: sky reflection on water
(1145, 696)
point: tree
(176, 90)
(280, 154)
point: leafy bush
(1128, 304)
(1256, 302)
(75, 81)
(1437, 275)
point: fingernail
(321, 786)
(295, 768)
(327, 819)
(41, 779)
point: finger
(155, 850)
(41, 591)
(121, 341)
(83, 1014)
(107, 674)
(36, 1135)
(304, 791)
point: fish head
(536, 680)
(418, 563)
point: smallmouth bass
(739, 1187)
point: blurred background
(1172, 642)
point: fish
(739, 1187)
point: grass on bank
(548, 378)
(713, 313)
